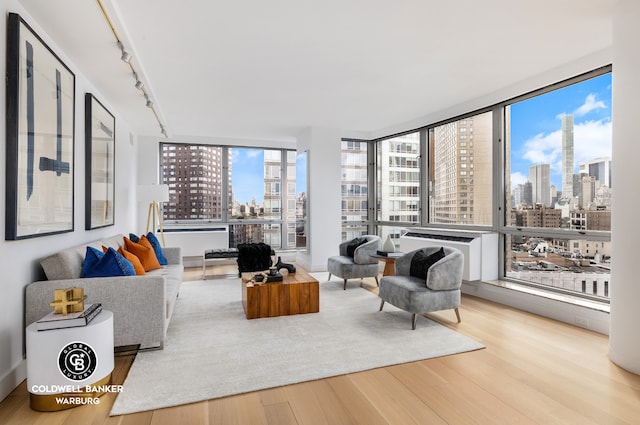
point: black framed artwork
(100, 126)
(40, 136)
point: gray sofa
(142, 305)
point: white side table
(62, 363)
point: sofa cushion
(421, 262)
(157, 248)
(91, 258)
(110, 264)
(135, 261)
(144, 251)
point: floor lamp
(153, 194)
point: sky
(536, 134)
(248, 174)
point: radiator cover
(480, 249)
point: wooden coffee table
(298, 293)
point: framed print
(100, 132)
(40, 136)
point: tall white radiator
(194, 241)
(480, 249)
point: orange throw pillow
(145, 254)
(137, 265)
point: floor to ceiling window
(558, 187)
(397, 184)
(251, 190)
(461, 171)
(355, 189)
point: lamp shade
(153, 193)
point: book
(390, 254)
(71, 320)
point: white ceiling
(267, 69)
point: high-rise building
(600, 168)
(567, 156)
(540, 178)
(355, 191)
(462, 166)
(194, 176)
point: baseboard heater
(194, 241)
(480, 249)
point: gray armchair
(439, 291)
(360, 265)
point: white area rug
(213, 351)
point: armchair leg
(458, 315)
(377, 281)
(414, 317)
(345, 285)
(381, 305)
(329, 278)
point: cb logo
(77, 361)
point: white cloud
(518, 178)
(590, 104)
(543, 149)
(592, 139)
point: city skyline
(536, 128)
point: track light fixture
(126, 58)
(139, 84)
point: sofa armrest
(446, 274)
(363, 253)
(137, 302)
(173, 254)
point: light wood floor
(533, 371)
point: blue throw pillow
(134, 238)
(157, 248)
(111, 264)
(91, 258)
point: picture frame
(100, 131)
(40, 123)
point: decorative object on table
(154, 194)
(388, 245)
(254, 257)
(40, 136)
(289, 267)
(69, 300)
(59, 321)
(99, 189)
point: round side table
(67, 367)
(389, 263)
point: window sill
(556, 296)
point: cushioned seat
(355, 259)
(440, 290)
(221, 253)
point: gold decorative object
(69, 300)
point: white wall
(624, 343)
(323, 146)
(19, 259)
